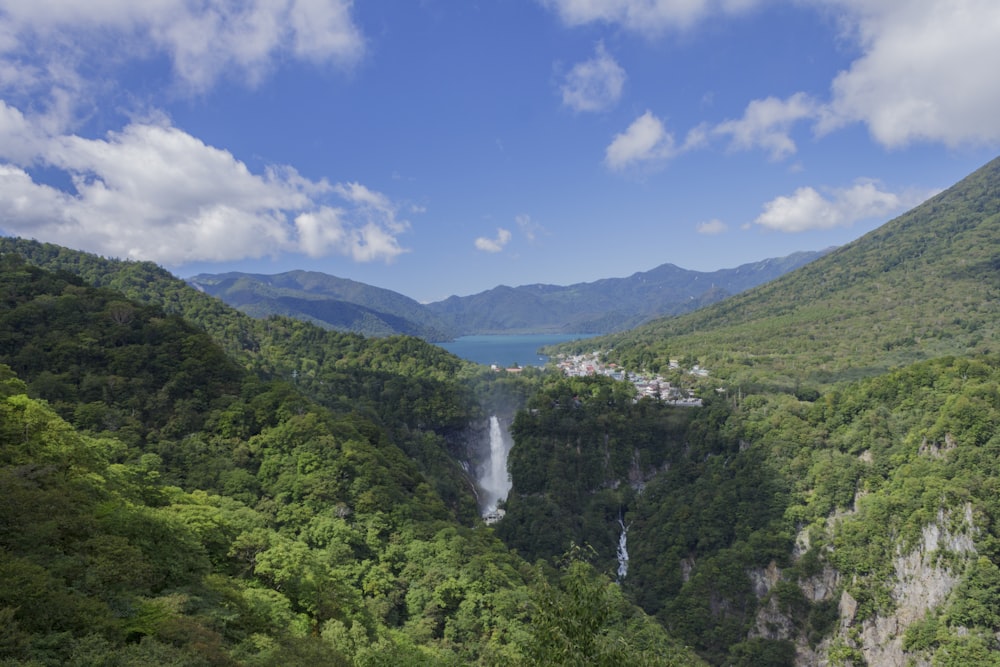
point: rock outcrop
(923, 580)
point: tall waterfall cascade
(494, 480)
(622, 551)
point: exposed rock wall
(922, 581)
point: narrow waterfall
(494, 479)
(622, 551)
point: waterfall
(494, 479)
(622, 551)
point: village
(655, 386)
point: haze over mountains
(603, 306)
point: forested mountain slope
(860, 528)
(159, 504)
(327, 301)
(924, 284)
(416, 388)
(802, 517)
(611, 304)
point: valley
(182, 483)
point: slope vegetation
(920, 286)
(327, 301)
(161, 505)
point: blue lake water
(507, 350)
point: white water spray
(494, 479)
(622, 551)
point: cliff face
(923, 580)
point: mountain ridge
(799, 517)
(600, 306)
(325, 300)
(924, 284)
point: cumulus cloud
(711, 227)
(926, 72)
(20, 138)
(647, 142)
(645, 16)
(808, 209)
(767, 123)
(595, 84)
(42, 42)
(154, 192)
(494, 245)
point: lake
(507, 349)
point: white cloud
(375, 206)
(373, 242)
(711, 227)
(645, 140)
(154, 192)
(927, 71)
(321, 231)
(645, 16)
(767, 123)
(494, 245)
(807, 209)
(324, 31)
(595, 84)
(20, 138)
(42, 42)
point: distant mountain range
(603, 306)
(327, 301)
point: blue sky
(438, 147)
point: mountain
(306, 501)
(162, 505)
(611, 304)
(923, 285)
(603, 306)
(324, 300)
(835, 500)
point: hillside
(923, 285)
(325, 300)
(416, 389)
(803, 516)
(159, 505)
(321, 512)
(856, 529)
(611, 304)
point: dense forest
(736, 512)
(181, 484)
(162, 504)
